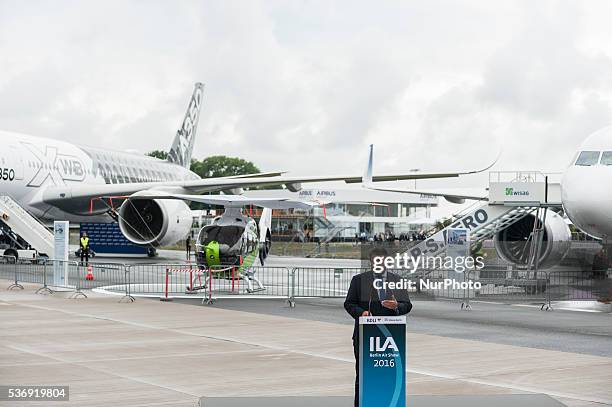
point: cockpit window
(228, 235)
(606, 158)
(588, 158)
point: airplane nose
(587, 204)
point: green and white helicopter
(233, 241)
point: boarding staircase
(483, 221)
(331, 230)
(512, 196)
(26, 226)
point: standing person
(188, 246)
(363, 299)
(84, 245)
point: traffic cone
(89, 275)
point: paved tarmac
(587, 331)
(519, 325)
(170, 354)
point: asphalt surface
(518, 324)
(560, 330)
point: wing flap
(228, 200)
(451, 196)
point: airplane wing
(258, 175)
(453, 197)
(57, 195)
(229, 200)
(53, 195)
(450, 196)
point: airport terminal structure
(339, 217)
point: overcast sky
(305, 86)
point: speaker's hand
(391, 304)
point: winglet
(367, 176)
(499, 153)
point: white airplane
(586, 197)
(585, 187)
(55, 180)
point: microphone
(370, 301)
(371, 289)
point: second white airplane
(585, 186)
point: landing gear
(151, 252)
(195, 283)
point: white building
(354, 211)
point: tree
(162, 155)
(222, 166)
(215, 166)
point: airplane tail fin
(182, 147)
(367, 175)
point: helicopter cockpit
(226, 236)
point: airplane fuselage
(29, 165)
(586, 192)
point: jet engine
(514, 243)
(156, 222)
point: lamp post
(414, 170)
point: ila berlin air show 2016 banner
(382, 361)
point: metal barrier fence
(9, 271)
(100, 275)
(578, 286)
(510, 285)
(61, 275)
(172, 280)
(321, 282)
(167, 281)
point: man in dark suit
(363, 299)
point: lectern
(382, 361)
